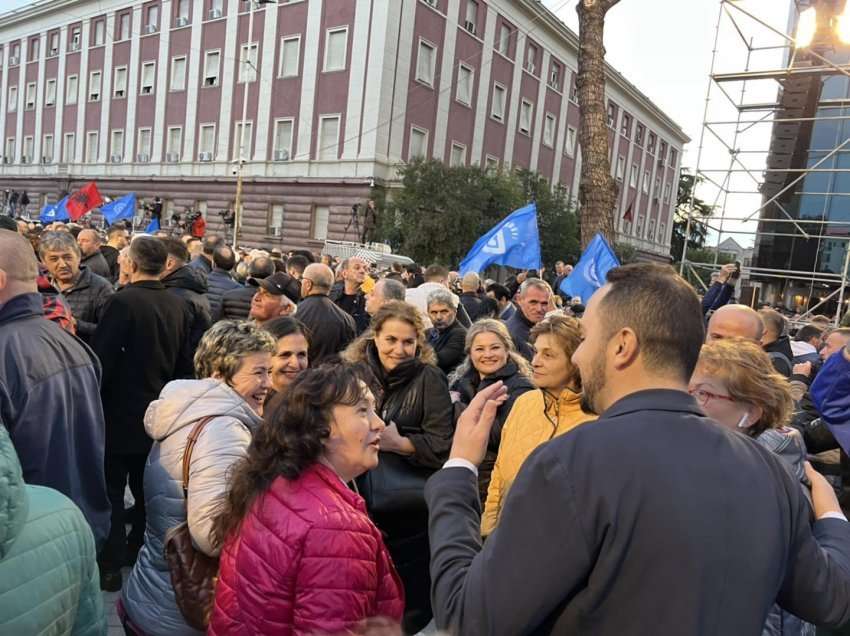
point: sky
(664, 47)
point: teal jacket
(49, 581)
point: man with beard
(448, 336)
(653, 520)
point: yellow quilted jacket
(535, 418)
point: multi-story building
(148, 97)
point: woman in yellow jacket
(538, 416)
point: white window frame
(429, 82)
(667, 190)
(328, 33)
(201, 128)
(179, 5)
(99, 92)
(10, 148)
(503, 46)
(523, 104)
(550, 128)
(276, 141)
(53, 46)
(319, 147)
(152, 86)
(458, 98)
(182, 86)
(207, 75)
(34, 49)
(316, 232)
(646, 178)
(71, 98)
(28, 149)
(530, 62)
(139, 149)
(280, 62)
(633, 176)
(491, 163)
(249, 56)
(502, 89)
(47, 143)
(271, 228)
(99, 39)
(152, 9)
(555, 75)
(168, 147)
(48, 99)
(237, 139)
(570, 141)
(621, 168)
(116, 149)
(462, 148)
(471, 18)
(30, 96)
(92, 135)
(425, 135)
(124, 19)
(76, 38)
(69, 147)
(117, 86)
(12, 105)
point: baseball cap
(279, 284)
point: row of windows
(328, 140)
(633, 179)
(650, 234)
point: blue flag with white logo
(593, 266)
(55, 212)
(123, 208)
(153, 226)
(514, 242)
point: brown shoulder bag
(193, 573)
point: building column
(39, 99)
(445, 94)
(266, 78)
(83, 95)
(391, 131)
(162, 77)
(60, 95)
(513, 109)
(561, 135)
(357, 79)
(197, 59)
(108, 72)
(133, 86)
(540, 113)
(229, 76)
(22, 90)
(484, 75)
(309, 81)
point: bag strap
(190, 446)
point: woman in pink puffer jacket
(300, 554)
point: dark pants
(118, 469)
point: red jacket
(306, 560)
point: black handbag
(395, 485)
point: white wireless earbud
(742, 423)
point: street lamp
(247, 64)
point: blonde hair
(567, 331)
(226, 344)
(749, 376)
(498, 329)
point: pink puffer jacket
(306, 560)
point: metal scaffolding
(762, 102)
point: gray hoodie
(148, 596)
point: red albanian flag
(83, 200)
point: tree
(597, 188)
(441, 211)
(700, 212)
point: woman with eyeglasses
(736, 385)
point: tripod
(355, 219)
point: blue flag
(55, 212)
(514, 242)
(123, 208)
(593, 266)
(152, 227)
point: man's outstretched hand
(473, 426)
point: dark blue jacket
(830, 393)
(718, 294)
(653, 520)
(50, 403)
(219, 282)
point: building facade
(148, 97)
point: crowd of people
(250, 442)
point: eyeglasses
(703, 397)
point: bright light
(806, 27)
(843, 25)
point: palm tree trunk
(597, 189)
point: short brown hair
(662, 309)
(774, 321)
(749, 376)
(567, 331)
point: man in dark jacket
(332, 329)
(220, 280)
(143, 343)
(84, 291)
(117, 238)
(447, 337)
(592, 560)
(204, 260)
(469, 297)
(236, 303)
(348, 294)
(775, 341)
(721, 290)
(533, 303)
(190, 284)
(49, 392)
(89, 242)
(503, 298)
